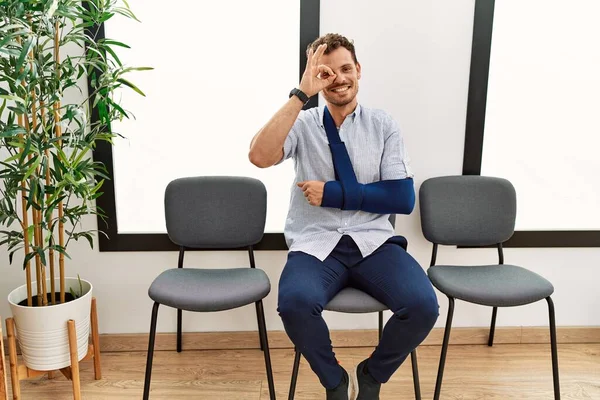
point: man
(337, 228)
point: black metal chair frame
(262, 331)
(553, 344)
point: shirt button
(345, 224)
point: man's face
(345, 87)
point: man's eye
(324, 75)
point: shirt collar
(355, 115)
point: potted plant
(48, 179)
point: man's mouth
(340, 89)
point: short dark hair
(334, 41)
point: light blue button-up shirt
(377, 152)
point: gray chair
(216, 213)
(353, 301)
(474, 211)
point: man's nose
(339, 78)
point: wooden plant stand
(22, 372)
(3, 385)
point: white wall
(415, 58)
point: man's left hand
(313, 191)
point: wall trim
(126, 342)
(345, 338)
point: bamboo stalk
(37, 214)
(58, 132)
(43, 267)
(49, 220)
(25, 225)
(25, 219)
(38, 268)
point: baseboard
(344, 338)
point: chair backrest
(215, 211)
(467, 210)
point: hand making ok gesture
(316, 76)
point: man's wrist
(306, 91)
(300, 94)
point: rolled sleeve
(290, 145)
(395, 162)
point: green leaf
(28, 258)
(12, 158)
(15, 131)
(30, 230)
(131, 85)
(113, 54)
(13, 98)
(40, 251)
(138, 69)
(24, 52)
(60, 250)
(115, 43)
(32, 168)
(12, 253)
(52, 9)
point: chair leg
(380, 324)
(150, 351)
(179, 323)
(265, 344)
(492, 327)
(294, 374)
(415, 371)
(260, 331)
(554, 349)
(438, 382)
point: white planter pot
(42, 331)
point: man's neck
(339, 114)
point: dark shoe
(343, 390)
(365, 386)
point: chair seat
(209, 289)
(351, 300)
(491, 285)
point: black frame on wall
(475, 123)
(309, 31)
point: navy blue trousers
(389, 274)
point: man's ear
(358, 69)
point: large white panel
(221, 70)
(542, 129)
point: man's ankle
(341, 391)
(366, 371)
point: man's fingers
(326, 73)
(325, 68)
(321, 49)
(304, 185)
(309, 56)
(318, 53)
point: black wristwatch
(300, 94)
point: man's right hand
(316, 76)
